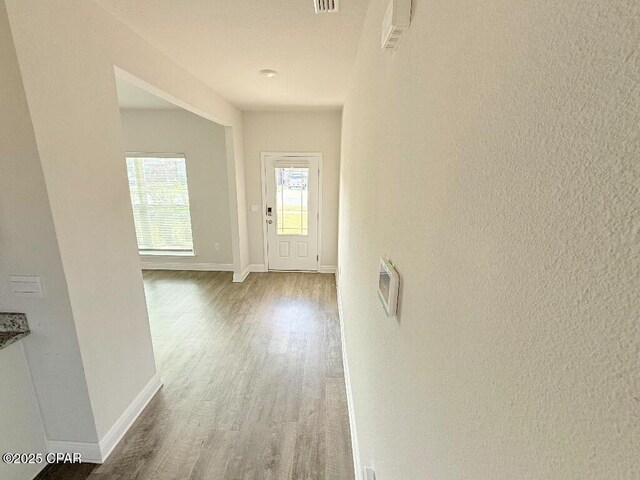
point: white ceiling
(130, 96)
(226, 42)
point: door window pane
(292, 197)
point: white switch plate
(217, 246)
(26, 286)
(369, 473)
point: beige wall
(203, 143)
(28, 246)
(80, 144)
(20, 426)
(293, 132)
(67, 52)
(494, 157)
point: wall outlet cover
(369, 473)
(26, 286)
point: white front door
(291, 212)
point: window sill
(167, 253)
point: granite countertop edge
(13, 327)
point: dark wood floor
(253, 383)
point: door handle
(269, 222)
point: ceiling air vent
(327, 6)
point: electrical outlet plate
(26, 286)
(369, 473)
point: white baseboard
(99, 452)
(261, 267)
(133, 411)
(254, 267)
(240, 277)
(204, 267)
(327, 269)
(347, 380)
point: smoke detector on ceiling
(327, 6)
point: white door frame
(263, 177)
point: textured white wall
(293, 132)
(494, 157)
(203, 143)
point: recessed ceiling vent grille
(327, 6)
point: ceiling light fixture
(268, 73)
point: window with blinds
(160, 200)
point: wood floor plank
(338, 456)
(253, 383)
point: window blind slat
(160, 201)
